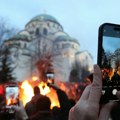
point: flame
(72, 90)
(111, 73)
(8, 101)
(118, 71)
(44, 89)
(34, 78)
(26, 92)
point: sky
(79, 18)
(111, 44)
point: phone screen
(12, 93)
(50, 75)
(109, 59)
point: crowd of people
(39, 107)
(88, 106)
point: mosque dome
(74, 40)
(62, 38)
(44, 17)
(66, 38)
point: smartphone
(12, 96)
(50, 76)
(109, 60)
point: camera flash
(114, 91)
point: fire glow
(26, 92)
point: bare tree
(44, 65)
(40, 54)
(6, 30)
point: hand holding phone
(12, 96)
(109, 60)
(50, 76)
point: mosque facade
(43, 34)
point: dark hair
(36, 90)
(43, 103)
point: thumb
(96, 87)
(17, 107)
(106, 109)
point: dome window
(25, 45)
(67, 45)
(73, 46)
(48, 24)
(64, 55)
(45, 31)
(37, 31)
(71, 55)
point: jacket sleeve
(64, 101)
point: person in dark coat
(30, 107)
(43, 111)
(65, 104)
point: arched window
(37, 31)
(45, 31)
(25, 46)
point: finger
(71, 114)
(85, 93)
(15, 108)
(118, 94)
(106, 110)
(20, 103)
(96, 87)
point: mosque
(43, 34)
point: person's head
(36, 90)
(56, 110)
(43, 104)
